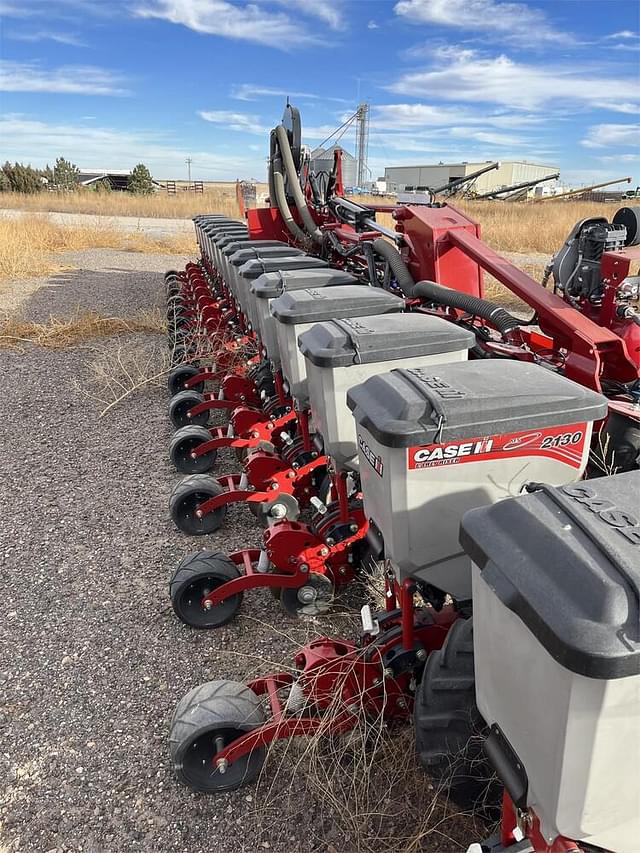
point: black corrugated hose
(489, 311)
(398, 266)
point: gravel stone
(93, 658)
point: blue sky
(109, 83)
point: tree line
(64, 177)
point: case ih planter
(307, 562)
(193, 449)
(432, 442)
(379, 673)
(342, 353)
(198, 504)
(194, 409)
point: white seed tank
(296, 313)
(342, 353)
(271, 285)
(434, 443)
(556, 592)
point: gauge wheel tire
(217, 709)
(450, 730)
(183, 442)
(197, 575)
(179, 375)
(183, 403)
(184, 500)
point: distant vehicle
(632, 193)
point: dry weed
(28, 244)
(506, 226)
(159, 205)
(58, 333)
(123, 368)
(127, 367)
(518, 226)
(364, 783)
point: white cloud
(68, 80)
(621, 158)
(630, 109)
(514, 22)
(391, 116)
(14, 10)
(234, 121)
(633, 46)
(610, 135)
(67, 10)
(30, 140)
(624, 34)
(500, 80)
(247, 22)
(373, 26)
(251, 92)
(45, 35)
(328, 11)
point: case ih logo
(625, 523)
(563, 444)
(442, 388)
(373, 460)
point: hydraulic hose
(283, 205)
(398, 266)
(272, 154)
(294, 184)
(489, 311)
(494, 314)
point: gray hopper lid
(220, 227)
(272, 284)
(230, 245)
(224, 238)
(247, 253)
(315, 305)
(406, 408)
(219, 233)
(223, 223)
(253, 268)
(567, 561)
(364, 340)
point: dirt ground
(93, 659)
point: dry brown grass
(365, 785)
(506, 226)
(160, 205)
(58, 333)
(519, 226)
(28, 244)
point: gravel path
(93, 659)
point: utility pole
(189, 161)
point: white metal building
(438, 174)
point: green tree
(5, 183)
(140, 181)
(102, 186)
(65, 175)
(23, 179)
